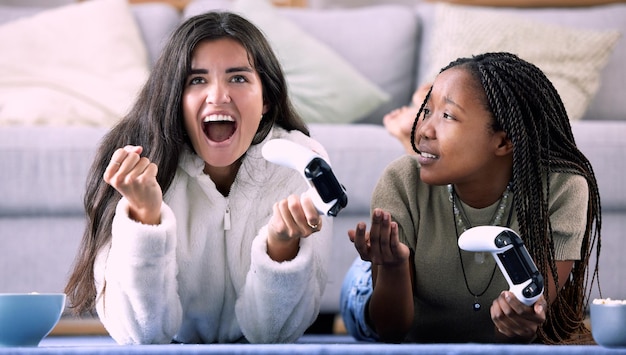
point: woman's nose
(217, 94)
(424, 129)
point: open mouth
(219, 128)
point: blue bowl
(608, 322)
(26, 318)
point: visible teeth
(218, 118)
(428, 155)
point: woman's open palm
(381, 245)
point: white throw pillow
(571, 58)
(80, 64)
(323, 87)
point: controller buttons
(325, 182)
(502, 240)
(531, 290)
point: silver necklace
(460, 216)
(460, 224)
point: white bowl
(608, 322)
(26, 318)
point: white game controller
(508, 249)
(328, 195)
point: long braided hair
(526, 106)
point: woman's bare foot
(399, 122)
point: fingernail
(541, 307)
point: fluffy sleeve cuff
(141, 303)
(142, 240)
(262, 262)
(280, 299)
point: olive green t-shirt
(444, 308)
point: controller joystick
(511, 255)
(328, 195)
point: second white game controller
(328, 195)
(509, 252)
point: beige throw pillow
(80, 64)
(323, 86)
(571, 58)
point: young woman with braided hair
(494, 147)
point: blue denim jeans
(356, 291)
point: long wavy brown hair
(156, 123)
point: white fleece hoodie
(193, 280)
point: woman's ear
(505, 146)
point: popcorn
(608, 301)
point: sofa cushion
(12, 13)
(77, 64)
(380, 41)
(38, 251)
(43, 169)
(603, 144)
(572, 58)
(353, 148)
(607, 104)
(156, 22)
(324, 87)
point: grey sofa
(43, 169)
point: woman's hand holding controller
(294, 217)
(515, 321)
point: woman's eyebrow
(198, 71)
(448, 100)
(238, 69)
(229, 70)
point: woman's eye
(196, 80)
(447, 116)
(426, 112)
(238, 79)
